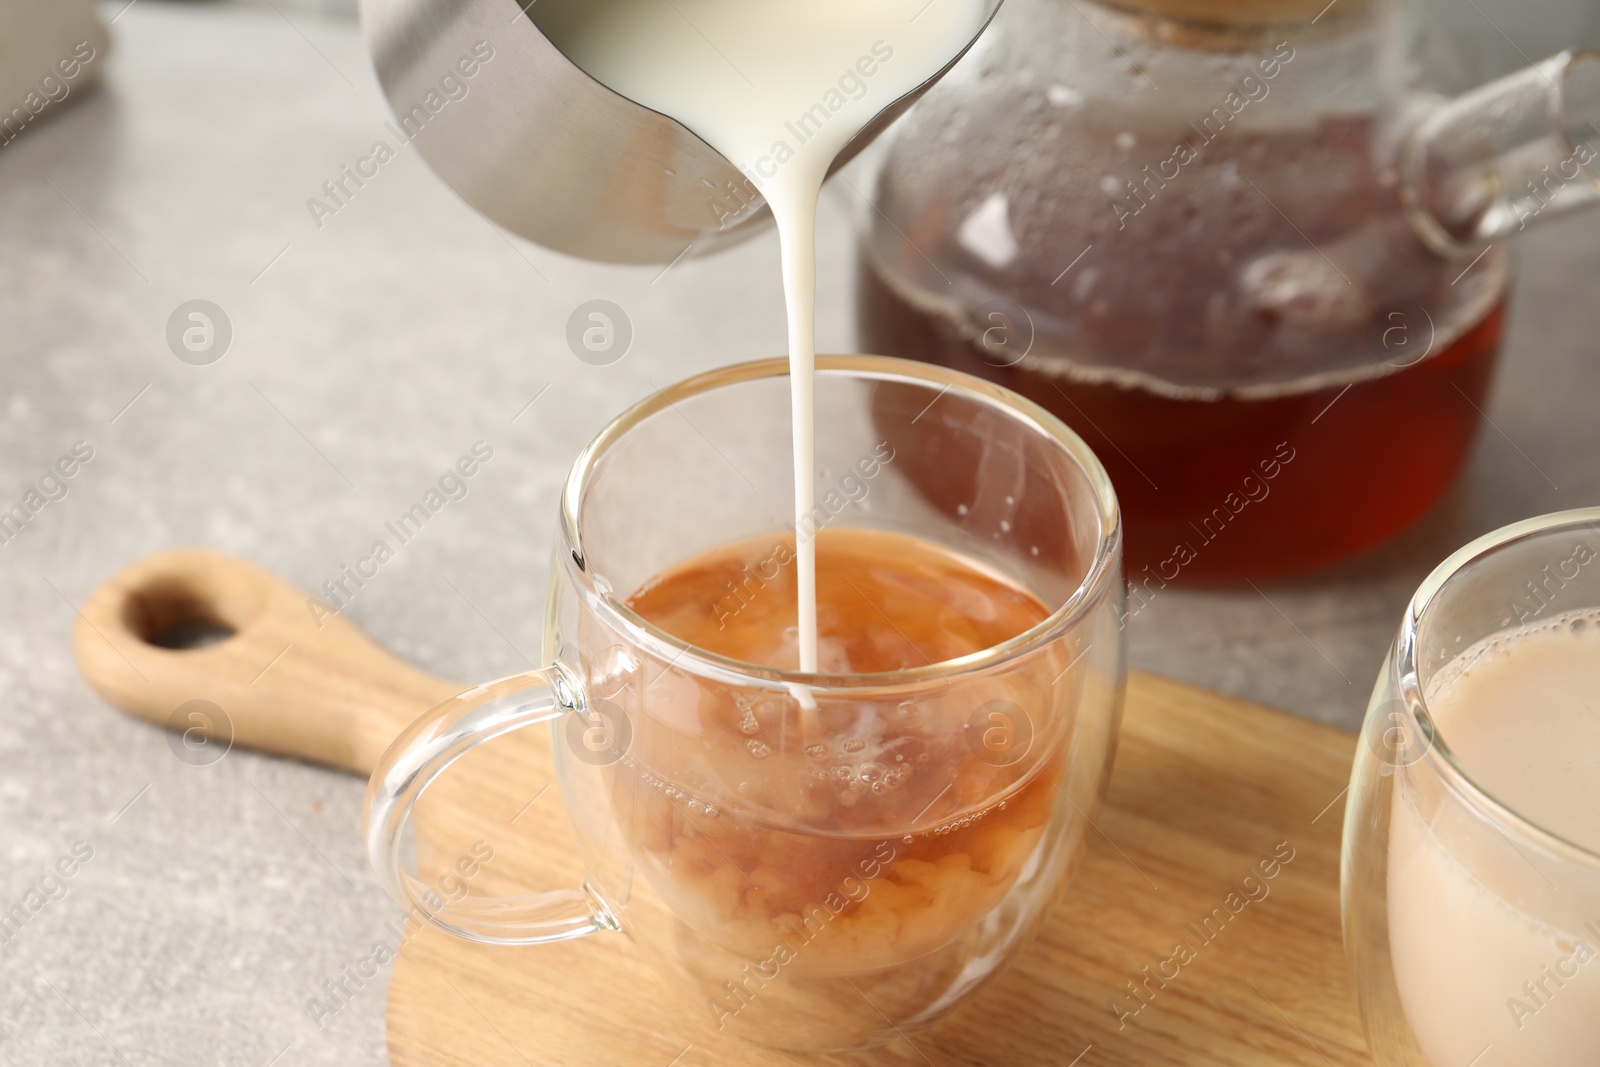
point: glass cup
(820, 861)
(1472, 931)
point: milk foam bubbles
(779, 87)
(1497, 948)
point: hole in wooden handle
(187, 636)
(182, 600)
(193, 624)
(172, 611)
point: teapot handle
(1522, 149)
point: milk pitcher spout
(1520, 151)
(542, 149)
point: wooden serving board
(1208, 794)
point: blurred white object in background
(332, 8)
(50, 52)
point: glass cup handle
(422, 753)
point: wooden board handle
(292, 678)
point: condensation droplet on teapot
(1303, 289)
(758, 749)
(855, 745)
(1062, 96)
(817, 751)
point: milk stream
(779, 87)
(1497, 946)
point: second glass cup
(1472, 928)
(819, 861)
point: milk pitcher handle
(426, 750)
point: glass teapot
(1236, 246)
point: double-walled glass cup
(818, 860)
(1473, 931)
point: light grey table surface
(367, 355)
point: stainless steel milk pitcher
(541, 148)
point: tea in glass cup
(827, 859)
